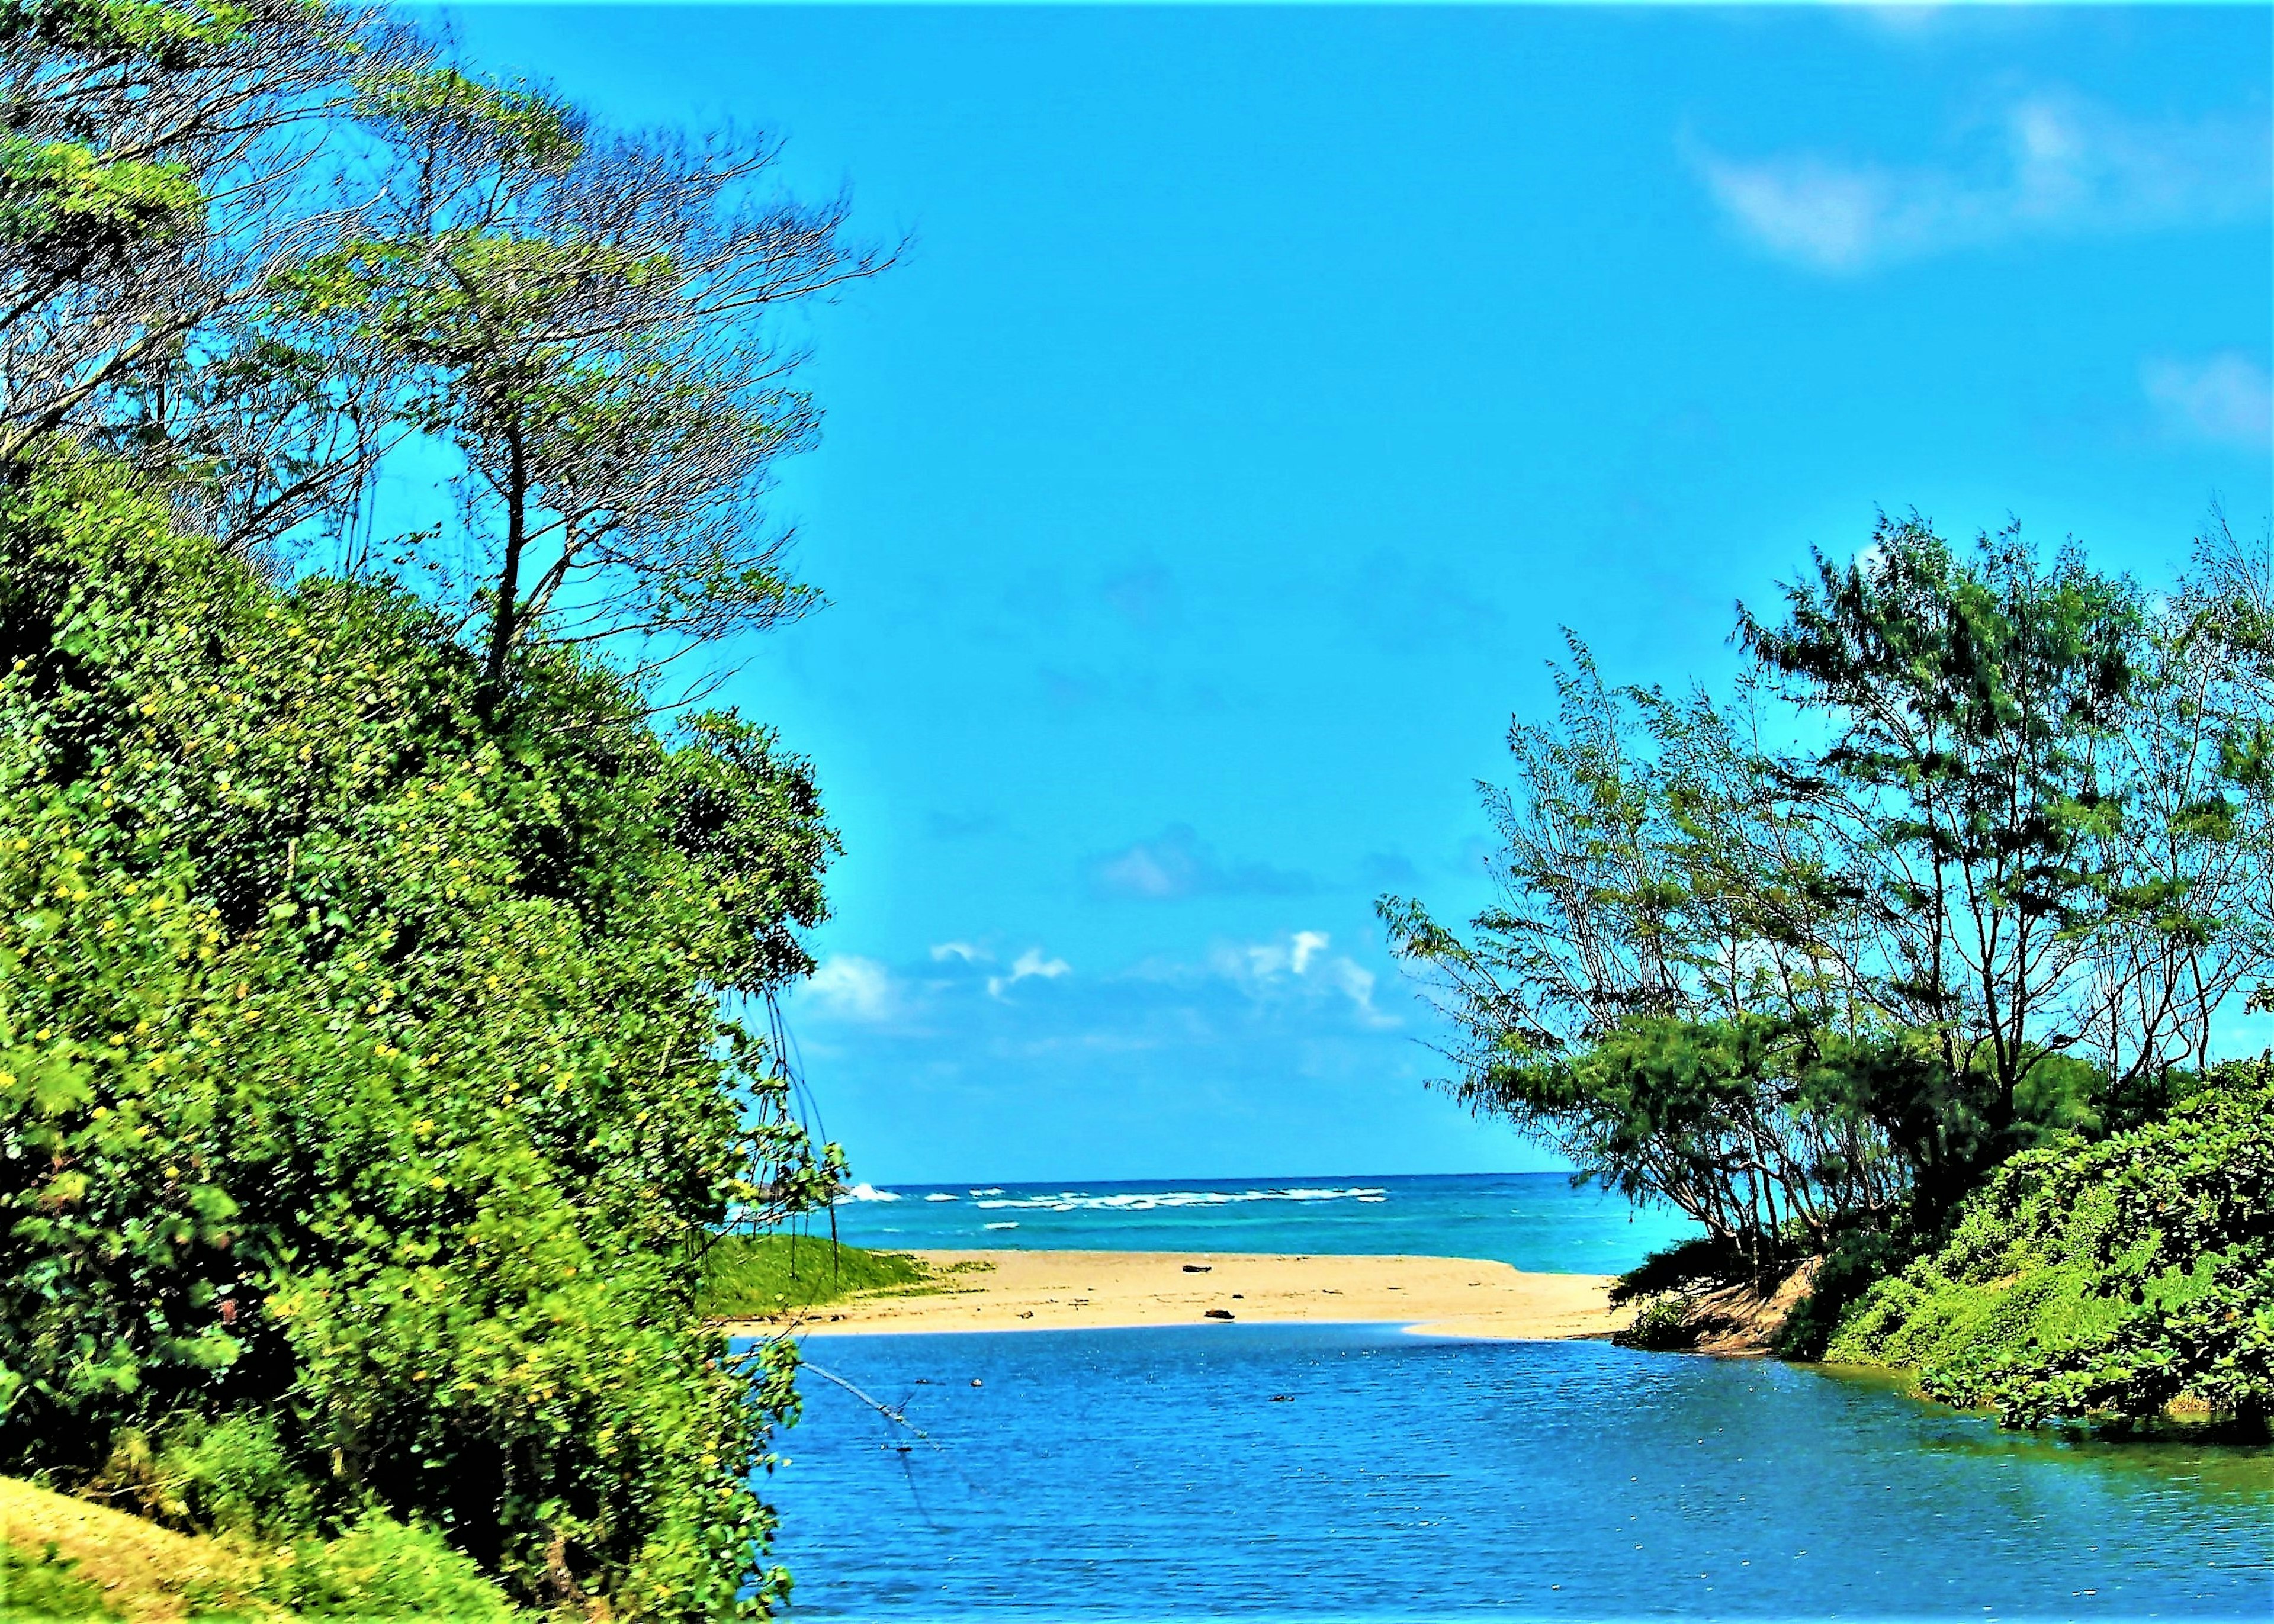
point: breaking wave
(1153, 1201)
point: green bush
(36, 1588)
(379, 1569)
(229, 1475)
(1660, 1325)
(2107, 1280)
(361, 1066)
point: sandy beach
(1059, 1290)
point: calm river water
(1359, 1472)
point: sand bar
(1062, 1291)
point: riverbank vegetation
(379, 900)
(763, 1276)
(65, 1558)
(2124, 1277)
(1916, 940)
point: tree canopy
(1972, 855)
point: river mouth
(1319, 1471)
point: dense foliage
(368, 1099)
(1965, 865)
(2115, 1278)
(363, 1082)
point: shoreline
(1020, 1290)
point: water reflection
(2183, 1453)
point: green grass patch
(756, 1276)
(42, 1584)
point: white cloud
(2226, 397)
(2053, 166)
(1201, 1037)
(850, 987)
(1028, 964)
(1298, 967)
(942, 951)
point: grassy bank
(2124, 1279)
(63, 1558)
(762, 1276)
(2127, 1280)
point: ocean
(1359, 1472)
(1533, 1220)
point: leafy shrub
(1660, 1325)
(2102, 1279)
(379, 1569)
(362, 1064)
(230, 1475)
(35, 1588)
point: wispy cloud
(849, 987)
(1028, 964)
(1383, 871)
(2049, 165)
(914, 1000)
(1295, 980)
(1902, 21)
(2225, 398)
(960, 825)
(1405, 607)
(1297, 968)
(1177, 864)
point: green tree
(1970, 858)
(162, 166)
(1970, 713)
(2188, 870)
(369, 1091)
(575, 314)
(1650, 993)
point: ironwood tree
(575, 314)
(1972, 856)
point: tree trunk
(503, 615)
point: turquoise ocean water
(1359, 1472)
(1534, 1221)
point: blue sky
(1262, 391)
